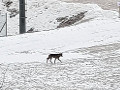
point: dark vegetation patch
(13, 12)
(67, 21)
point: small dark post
(6, 24)
(22, 17)
(119, 11)
(118, 3)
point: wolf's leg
(54, 60)
(59, 60)
(50, 60)
(47, 60)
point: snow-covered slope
(82, 68)
(23, 57)
(42, 14)
(36, 46)
(97, 27)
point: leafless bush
(7, 3)
(30, 30)
(13, 12)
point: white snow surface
(97, 27)
(91, 50)
(35, 46)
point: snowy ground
(90, 47)
(100, 71)
(87, 64)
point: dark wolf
(56, 56)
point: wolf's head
(61, 54)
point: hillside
(42, 15)
(89, 41)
